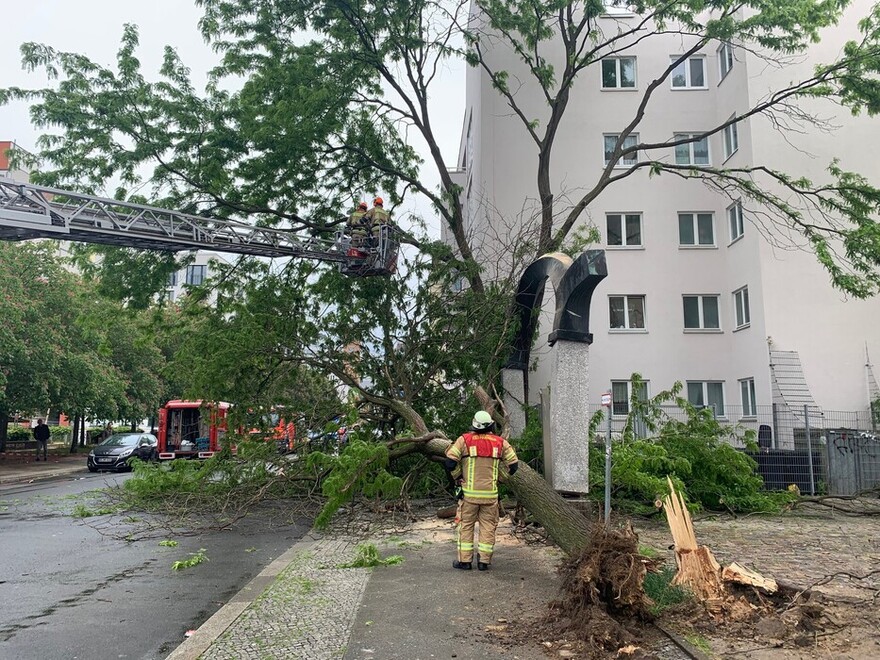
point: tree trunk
(133, 426)
(74, 438)
(565, 524)
(4, 429)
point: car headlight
(125, 453)
(91, 454)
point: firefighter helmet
(362, 206)
(482, 421)
(378, 201)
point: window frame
(750, 406)
(730, 135)
(695, 226)
(687, 74)
(741, 308)
(691, 145)
(737, 219)
(172, 280)
(190, 274)
(619, 88)
(705, 387)
(701, 312)
(725, 56)
(628, 384)
(622, 163)
(624, 245)
(627, 322)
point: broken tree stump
(698, 570)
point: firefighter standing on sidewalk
(474, 458)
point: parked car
(115, 451)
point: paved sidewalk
(19, 465)
(303, 606)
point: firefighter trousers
(469, 515)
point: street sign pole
(606, 401)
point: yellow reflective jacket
(377, 216)
(478, 456)
(356, 219)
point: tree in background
(64, 347)
(35, 302)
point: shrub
(695, 453)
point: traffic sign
(606, 399)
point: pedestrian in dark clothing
(41, 435)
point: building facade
(703, 287)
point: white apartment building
(204, 265)
(700, 289)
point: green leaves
(63, 345)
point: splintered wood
(743, 575)
(697, 568)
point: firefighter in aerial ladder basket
(376, 217)
(358, 227)
(474, 459)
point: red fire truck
(191, 429)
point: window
(731, 140)
(624, 229)
(701, 313)
(689, 74)
(707, 394)
(725, 59)
(747, 396)
(617, 8)
(696, 229)
(619, 73)
(735, 218)
(172, 279)
(691, 153)
(630, 141)
(627, 312)
(195, 275)
(621, 393)
(741, 307)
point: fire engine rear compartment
(187, 431)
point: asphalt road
(68, 591)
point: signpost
(606, 401)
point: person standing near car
(41, 435)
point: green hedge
(22, 434)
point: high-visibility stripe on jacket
(478, 455)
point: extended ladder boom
(30, 211)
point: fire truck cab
(191, 429)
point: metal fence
(820, 452)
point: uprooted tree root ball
(601, 590)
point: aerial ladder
(30, 211)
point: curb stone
(41, 476)
(300, 606)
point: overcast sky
(94, 28)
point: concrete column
(569, 419)
(514, 400)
